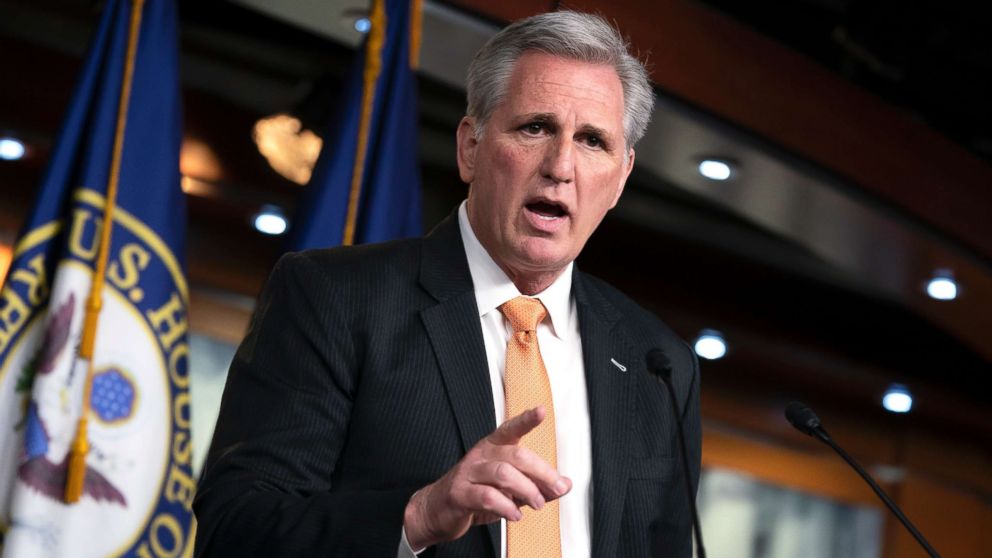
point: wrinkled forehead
(553, 82)
(535, 64)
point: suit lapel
(456, 335)
(611, 409)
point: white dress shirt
(561, 349)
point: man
(361, 411)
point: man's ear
(466, 149)
(623, 180)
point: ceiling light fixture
(290, 149)
(897, 399)
(198, 159)
(270, 220)
(363, 25)
(716, 169)
(942, 285)
(710, 344)
(11, 149)
(6, 255)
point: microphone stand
(806, 421)
(661, 367)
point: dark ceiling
(932, 58)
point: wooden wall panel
(945, 487)
(955, 522)
(952, 463)
(218, 316)
(815, 472)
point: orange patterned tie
(527, 386)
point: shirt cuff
(405, 550)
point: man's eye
(534, 127)
(595, 142)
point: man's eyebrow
(539, 116)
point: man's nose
(559, 164)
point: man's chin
(543, 256)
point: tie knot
(523, 313)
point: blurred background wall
(857, 139)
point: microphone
(805, 420)
(659, 365)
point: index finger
(512, 430)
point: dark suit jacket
(363, 378)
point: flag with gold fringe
(94, 402)
(366, 183)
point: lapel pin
(619, 366)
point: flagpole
(80, 445)
(373, 65)
(416, 25)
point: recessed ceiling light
(710, 345)
(897, 399)
(11, 149)
(363, 24)
(715, 169)
(270, 220)
(942, 286)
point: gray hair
(567, 34)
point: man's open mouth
(547, 209)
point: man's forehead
(543, 79)
(580, 90)
(536, 66)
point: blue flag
(366, 184)
(123, 127)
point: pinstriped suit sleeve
(267, 487)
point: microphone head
(803, 418)
(659, 364)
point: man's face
(549, 164)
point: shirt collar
(493, 287)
